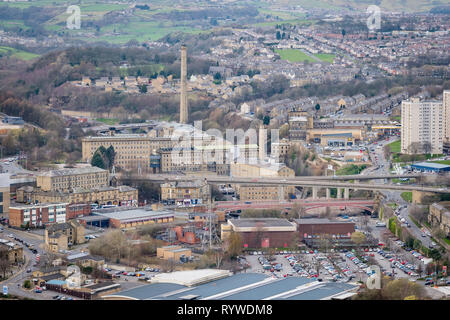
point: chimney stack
(262, 142)
(183, 96)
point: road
(297, 181)
(382, 167)
(16, 281)
(235, 205)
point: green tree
(97, 160)
(317, 107)
(27, 284)
(110, 155)
(266, 120)
(143, 88)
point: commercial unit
(32, 216)
(185, 192)
(262, 232)
(214, 284)
(423, 126)
(342, 136)
(173, 253)
(65, 180)
(60, 236)
(430, 167)
(136, 217)
(314, 228)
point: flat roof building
(136, 217)
(220, 285)
(423, 127)
(262, 232)
(66, 180)
(430, 167)
(313, 228)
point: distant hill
(385, 5)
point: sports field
(294, 55)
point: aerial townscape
(224, 150)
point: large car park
(307, 263)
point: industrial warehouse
(127, 218)
(430, 167)
(214, 284)
(264, 233)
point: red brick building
(78, 210)
(316, 227)
(37, 215)
(40, 214)
(263, 232)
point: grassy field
(407, 196)
(108, 121)
(326, 57)
(395, 146)
(442, 162)
(294, 55)
(11, 52)
(350, 169)
(291, 21)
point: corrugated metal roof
(241, 286)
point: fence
(70, 292)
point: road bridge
(315, 184)
(307, 204)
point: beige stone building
(440, 216)
(60, 236)
(11, 251)
(162, 151)
(280, 149)
(67, 179)
(122, 195)
(422, 124)
(185, 192)
(260, 169)
(4, 194)
(265, 192)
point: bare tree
(426, 147)
(414, 147)
(299, 210)
(5, 264)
